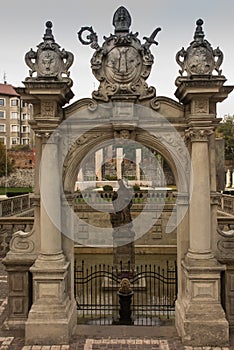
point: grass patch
(14, 191)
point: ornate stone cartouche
(49, 62)
(199, 58)
(122, 64)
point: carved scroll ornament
(22, 243)
(122, 64)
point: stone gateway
(182, 131)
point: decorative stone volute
(49, 62)
(199, 58)
(122, 64)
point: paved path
(95, 338)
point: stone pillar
(52, 316)
(138, 160)
(98, 164)
(199, 209)
(109, 152)
(228, 178)
(53, 313)
(119, 160)
(200, 318)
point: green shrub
(136, 187)
(107, 188)
(110, 177)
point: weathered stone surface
(19, 178)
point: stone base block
(202, 329)
(51, 331)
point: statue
(122, 202)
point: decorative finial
(49, 62)
(199, 34)
(122, 20)
(48, 33)
(199, 58)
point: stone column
(50, 195)
(200, 319)
(199, 210)
(228, 178)
(119, 159)
(138, 160)
(53, 312)
(98, 164)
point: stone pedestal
(200, 319)
(53, 315)
(123, 249)
(19, 290)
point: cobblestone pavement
(167, 339)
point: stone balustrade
(158, 196)
(15, 205)
(225, 255)
(226, 204)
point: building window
(25, 141)
(14, 140)
(25, 128)
(2, 115)
(14, 115)
(14, 102)
(3, 139)
(23, 104)
(14, 128)
(24, 116)
(2, 127)
(2, 101)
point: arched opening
(155, 246)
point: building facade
(14, 118)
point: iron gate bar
(155, 291)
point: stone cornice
(207, 87)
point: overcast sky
(22, 27)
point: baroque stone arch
(95, 138)
(122, 65)
(78, 151)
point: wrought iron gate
(154, 287)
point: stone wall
(19, 178)
(156, 235)
(23, 159)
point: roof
(7, 89)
